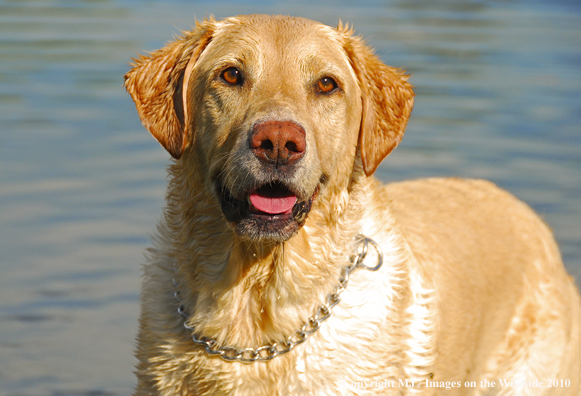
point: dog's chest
(357, 345)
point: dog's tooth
(300, 217)
(300, 212)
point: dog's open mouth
(272, 211)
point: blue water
(81, 182)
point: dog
(281, 266)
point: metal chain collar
(323, 312)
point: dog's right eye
(232, 76)
(327, 85)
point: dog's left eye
(327, 85)
(232, 76)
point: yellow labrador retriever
(282, 267)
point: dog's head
(273, 113)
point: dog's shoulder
(470, 227)
(450, 189)
(445, 200)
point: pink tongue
(273, 205)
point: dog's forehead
(274, 36)
(273, 27)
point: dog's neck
(243, 292)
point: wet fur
(472, 287)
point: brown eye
(232, 76)
(327, 85)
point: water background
(498, 88)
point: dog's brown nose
(278, 142)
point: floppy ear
(157, 84)
(387, 102)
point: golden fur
(472, 287)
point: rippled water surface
(81, 182)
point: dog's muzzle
(271, 211)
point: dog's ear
(157, 84)
(387, 99)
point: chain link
(323, 312)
